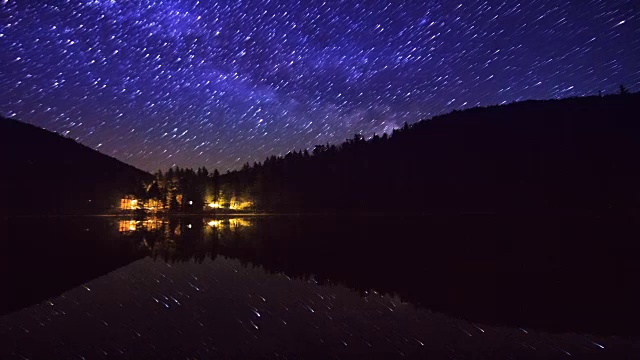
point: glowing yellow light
(236, 205)
(214, 205)
(214, 223)
(238, 222)
(128, 204)
(127, 225)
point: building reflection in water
(452, 271)
(128, 225)
(152, 224)
(184, 238)
(282, 260)
(233, 223)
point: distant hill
(46, 173)
(569, 155)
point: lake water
(451, 287)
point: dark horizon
(572, 156)
(618, 91)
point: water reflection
(127, 225)
(151, 224)
(467, 267)
(223, 309)
(325, 286)
(559, 275)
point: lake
(454, 287)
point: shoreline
(626, 215)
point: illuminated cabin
(128, 203)
(153, 205)
(232, 205)
(238, 204)
(214, 205)
(131, 203)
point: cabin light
(189, 226)
(190, 202)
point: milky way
(159, 83)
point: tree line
(575, 154)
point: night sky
(159, 83)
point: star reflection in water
(186, 301)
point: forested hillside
(46, 173)
(576, 154)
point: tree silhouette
(527, 156)
(216, 185)
(623, 90)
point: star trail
(158, 83)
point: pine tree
(623, 90)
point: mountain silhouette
(46, 173)
(574, 155)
